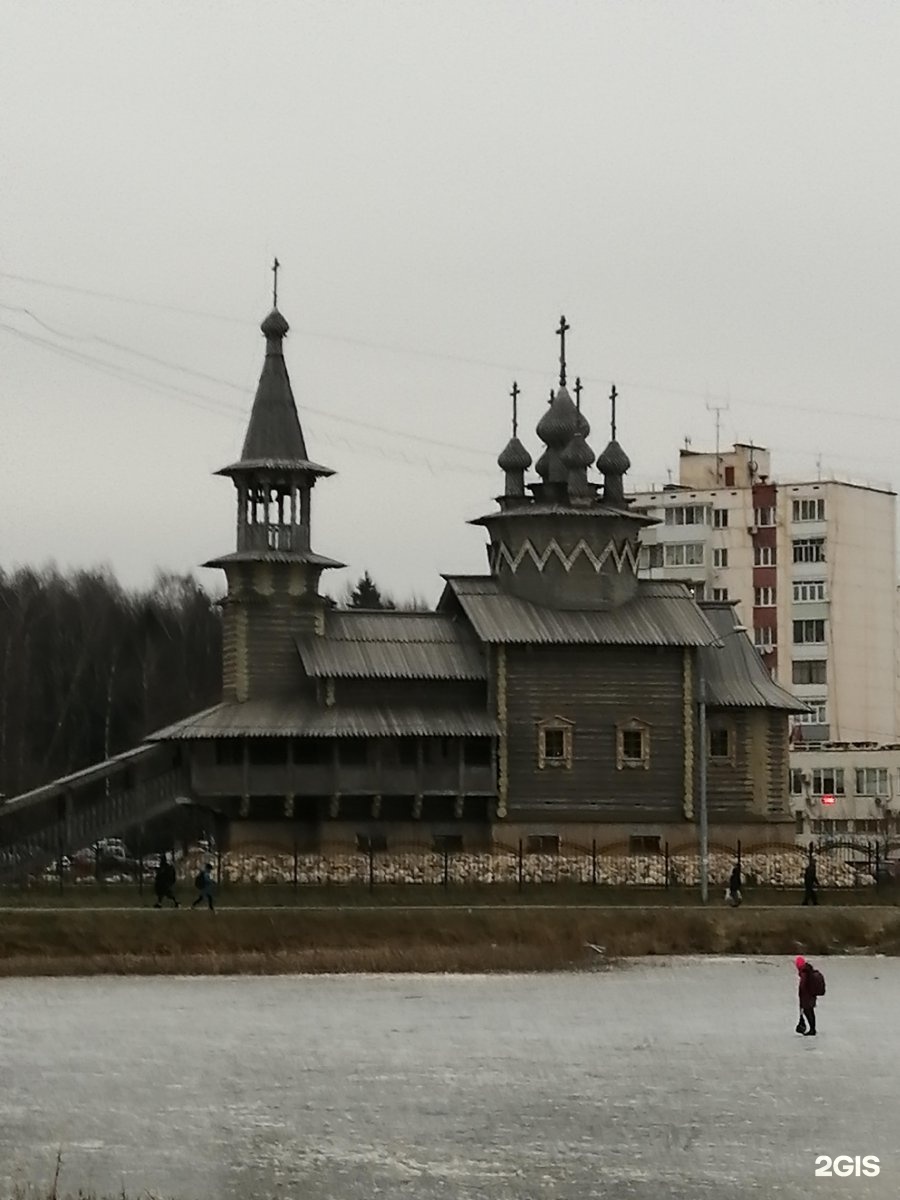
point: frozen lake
(653, 1081)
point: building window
(817, 715)
(686, 514)
(542, 843)
(633, 744)
(555, 743)
(683, 554)
(798, 824)
(764, 516)
(809, 550)
(813, 670)
(764, 556)
(643, 844)
(720, 518)
(720, 743)
(795, 781)
(764, 597)
(720, 556)
(809, 510)
(720, 593)
(808, 632)
(872, 781)
(371, 843)
(828, 781)
(764, 637)
(729, 476)
(809, 590)
(447, 843)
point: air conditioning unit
(752, 529)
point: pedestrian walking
(811, 985)
(735, 895)
(164, 882)
(810, 883)
(204, 885)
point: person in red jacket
(807, 994)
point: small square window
(642, 844)
(371, 843)
(719, 743)
(542, 843)
(555, 743)
(632, 744)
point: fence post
(877, 867)
(219, 880)
(666, 865)
(594, 862)
(521, 866)
(739, 856)
(140, 860)
(371, 866)
(446, 865)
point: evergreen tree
(367, 594)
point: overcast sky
(709, 191)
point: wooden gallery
(555, 698)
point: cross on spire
(578, 392)
(613, 395)
(275, 265)
(564, 327)
(515, 399)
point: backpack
(200, 881)
(818, 982)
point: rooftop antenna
(819, 467)
(515, 399)
(687, 442)
(752, 465)
(564, 327)
(275, 265)
(718, 409)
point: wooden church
(555, 697)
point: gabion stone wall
(773, 867)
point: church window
(722, 743)
(633, 744)
(555, 743)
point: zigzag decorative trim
(628, 555)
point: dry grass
(144, 942)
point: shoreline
(57, 942)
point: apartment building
(812, 568)
(845, 790)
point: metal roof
(735, 674)
(292, 718)
(661, 614)
(390, 645)
(274, 556)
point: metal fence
(839, 865)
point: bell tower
(273, 574)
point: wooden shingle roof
(392, 645)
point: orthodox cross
(578, 392)
(515, 399)
(564, 327)
(275, 265)
(612, 404)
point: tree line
(88, 668)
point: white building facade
(812, 568)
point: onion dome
(542, 466)
(514, 456)
(560, 421)
(583, 425)
(577, 455)
(614, 460)
(275, 325)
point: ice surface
(653, 1081)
